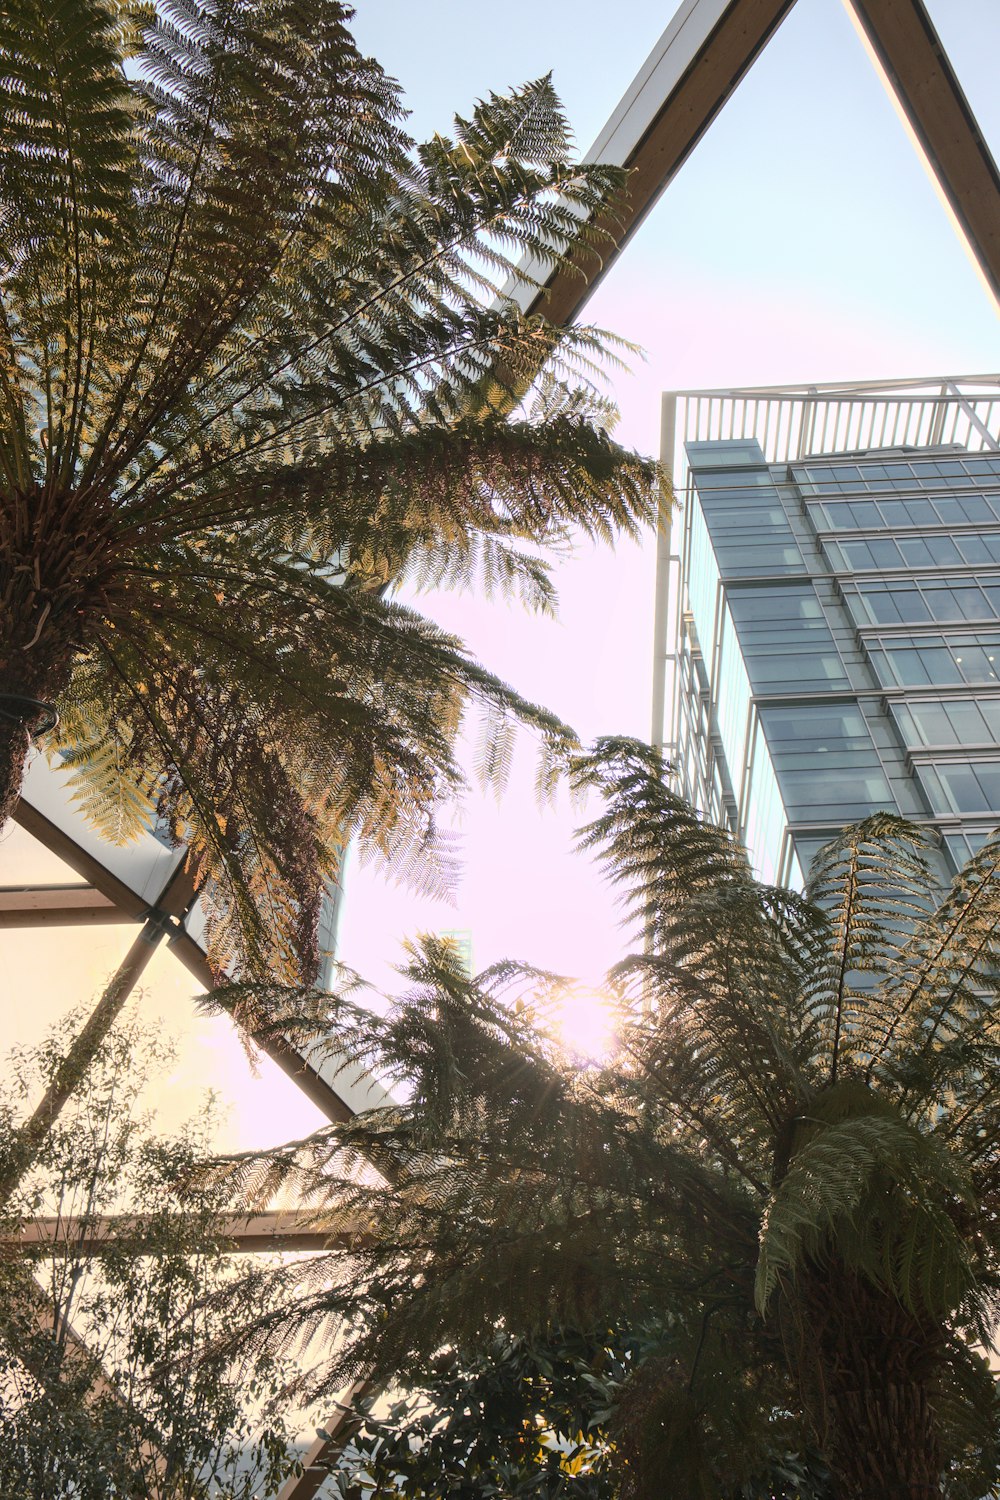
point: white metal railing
(790, 422)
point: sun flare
(586, 1022)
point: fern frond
(875, 885)
(248, 331)
(942, 987)
(710, 1165)
(831, 1187)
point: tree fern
(256, 345)
(793, 1163)
(845, 1179)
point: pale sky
(801, 241)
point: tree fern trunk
(870, 1389)
(887, 1443)
(14, 745)
(35, 664)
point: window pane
(729, 452)
(916, 552)
(962, 789)
(976, 549)
(930, 783)
(905, 722)
(895, 512)
(912, 669)
(943, 551)
(808, 669)
(967, 722)
(882, 608)
(977, 509)
(975, 663)
(836, 792)
(988, 776)
(957, 603)
(885, 554)
(934, 723)
(857, 554)
(818, 724)
(949, 510)
(921, 513)
(941, 665)
(912, 607)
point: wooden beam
(57, 906)
(306, 1078)
(175, 897)
(246, 1234)
(913, 64)
(79, 859)
(321, 1457)
(699, 62)
(291, 1062)
(173, 900)
(696, 65)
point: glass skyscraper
(828, 612)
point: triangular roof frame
(697, 65)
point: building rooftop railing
(793, 422)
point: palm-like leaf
(875, 885)
(507, 1186)
(792, 1166)
(254, 347)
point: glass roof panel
(144, 864)
(25, 861)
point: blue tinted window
(977, 549)
(885, 553)
(784, 636)
(913, 668)
(977, 663)
(726, 453)
(978, 509)
(825, 761)
(911, 604)
(962, 846)
(936, 660)
(933, 725)
(947, 721)
(856, 555)
(956, 603)
(948, 601)
(963, 789)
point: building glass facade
(834, 642)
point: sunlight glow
(586, 1023)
